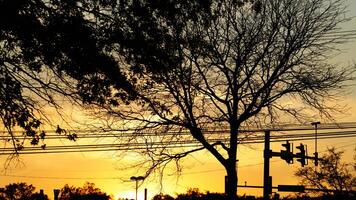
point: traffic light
(316, 158)
(287, 154)
(287, 145)
(302, 154)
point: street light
(315, 124)
(137, 179)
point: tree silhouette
(51, 49)
(162, 197)
(33, 35)
(169, 66)
(331, 174)
(20, 191)
(234, 66)
(194, 193)
(87, 192)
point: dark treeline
(195, 194)
(24, 191)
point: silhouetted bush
(87, 192)
(21, 191)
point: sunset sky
(200, 170)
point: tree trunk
(230, 166)
(231, 187)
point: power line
(169, 144)
(175, 143)
(183, 139)
(207, 130)
(58, 177)
(113, 178)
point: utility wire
(113, 178)
(243, 129)
(167, 144)
(161, 134)
(170, 141)
(58, 177)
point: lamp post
(137, 179)
(315, 124)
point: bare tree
(237, 68)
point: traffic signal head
(301, 147)
(302, 161)
(301, 156)
(287, 154)
(287, 145)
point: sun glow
(130, 195)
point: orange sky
(49, 171)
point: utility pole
(267, 179)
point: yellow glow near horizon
(201, 171)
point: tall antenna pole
(315, 124)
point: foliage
(194, 193)
(162, 197)
(87, 192)
(20, 191)
(50, 47)
(332, 174)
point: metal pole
(316, 144)
(145, 194)
(237, 173)
(316, 135)
(266, 177)
(136, 179)
(136, 188)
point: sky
(200, 170)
